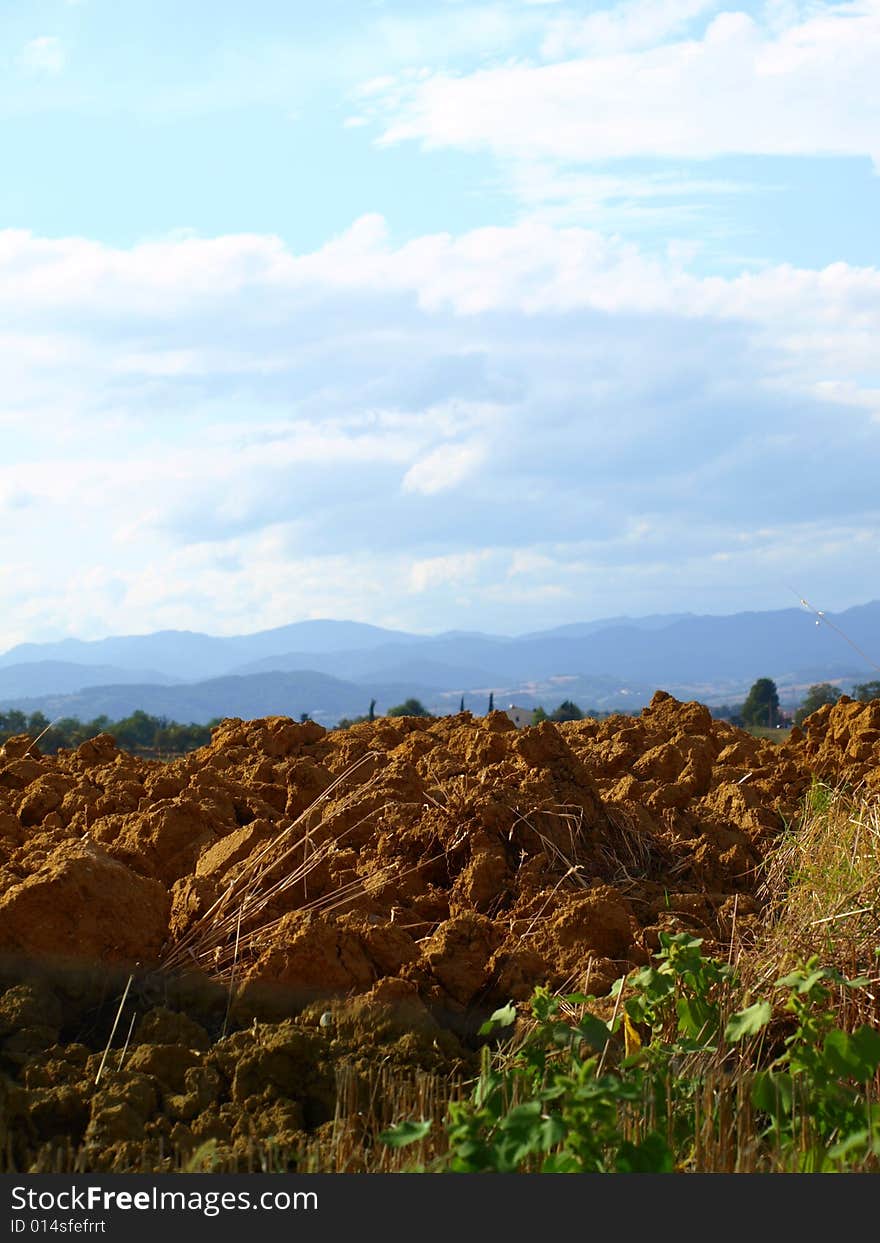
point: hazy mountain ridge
(55, 677)
(288, 694)
(339, 666)
(192, 655)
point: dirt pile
(322, 901)
(460, 854)
(840, 743)
(179, 1084)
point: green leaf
(867, 1041)
(772, 1093)
(805, 981)
(562, 1163)
(679, 940)
(748, 1022)
(501, 1018)
(651, 1156)
(696, 1018)
(405, 1133)
(561, 1035)
(860, 1142)
(522, 1115)
(594, 1032)
(552, 1132)
(856, 1056)
(636, 1009)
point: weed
(677, 1079)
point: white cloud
(676, 199)
(623, 27)
(454, 569)
(45, 54)
(73, 294)
(402, 428)
(470, 29)
(806, 87)
(442, 469)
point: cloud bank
(511, 427)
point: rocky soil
(287, 903)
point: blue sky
(475, 315)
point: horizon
(361, 313)
(621, 619)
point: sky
(447, 315)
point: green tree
(491, 701)
(817, 695)
(410, 707)
(461, 705)
(36, 724)
(371, 715)
(539, 715)
(567, 711)
(762, 704)
(137, 730)
(864, 692)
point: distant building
(521, 717)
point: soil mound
(460, 854)
(840, 743)
(308, 895)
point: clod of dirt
(82, 903)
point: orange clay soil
(435, 868)
(460, 854)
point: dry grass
(821, 889)
(233, 923)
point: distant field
(772, 735)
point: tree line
(138, 732)
(156, 734)
(762, 708)
(566, 711)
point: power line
(820, 618)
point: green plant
(549, 1107)
(815, 1094)
(819, 797)
(680, 996)
(674, 1070)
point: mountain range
(331, 669)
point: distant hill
(580, 630)
(332, 668)
(55, 677)
(688, 650)
(325, 699)
(188, 654)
